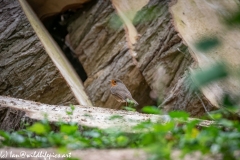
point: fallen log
(83, 115)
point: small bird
(120, 92)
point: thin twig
(204, 106)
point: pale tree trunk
(205, 20)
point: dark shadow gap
(57, 27)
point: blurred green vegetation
(159, 139)
(232, 19)
(207, 43)
(206, 75)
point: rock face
(26, 70)
(103, 52)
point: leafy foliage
(151, 110)
(205, 44)
(160, 139)
(233, 19)
(209, 74)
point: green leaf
(230, 103)
(179, 114)
(62, 150)
(226, 123)
(68, 129)
(72, 107)
(207, 43)
(57, 139)
(17, 137)
(148, 138)
(144, 125)
(93, 133)
(207, 75)
(216, 116)
(38, 128)
(115, 22)
(233, 19)
(163, 127)
(70, 112)
(129, 108)
(215, 148)
(115, 117)
(151, 110)
(122, 140)
(4, 135)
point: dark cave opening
(57, 27)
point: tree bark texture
(103, 52)
(26, 71)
